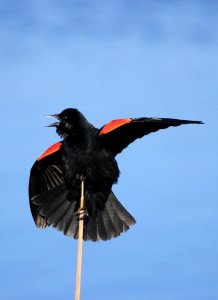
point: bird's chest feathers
(91, 161)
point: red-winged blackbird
(54, 187)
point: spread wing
(45, 175)
(118, 134)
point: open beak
(55, 124)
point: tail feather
(58, 210)
(119, 209)
(101, 230)
(121, 218)
(65, 219)
(116, 220)
(73, 228)
(109, 225)
(90, 231)
(110, 222)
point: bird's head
(69, 122)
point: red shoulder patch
(114, 125)
(54, 148)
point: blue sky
(114, 59)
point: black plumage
(54, 186)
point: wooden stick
(80, 245)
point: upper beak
(56, 123)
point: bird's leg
(82, 212)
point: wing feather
(118, 136)
(45, 175)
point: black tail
(59, 211)
(109, 222)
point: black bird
(54, 186)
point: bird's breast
(100, 169)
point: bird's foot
(80, 177)
(82, 214)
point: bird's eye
(65, 118)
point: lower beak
(56, 124)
